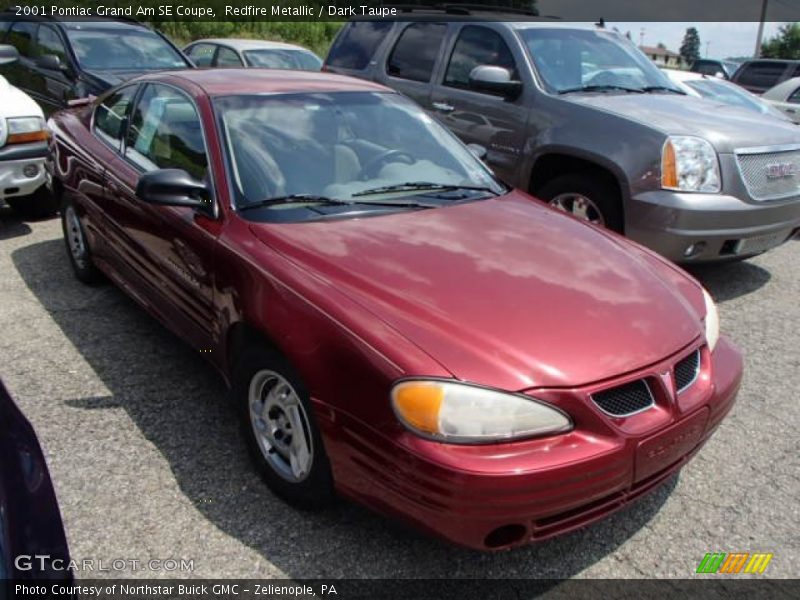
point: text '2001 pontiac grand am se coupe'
(395, 324)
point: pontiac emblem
(781, 170)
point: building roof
(655, 50)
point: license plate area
(761, 243)
(659, 451)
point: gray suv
(580, 118)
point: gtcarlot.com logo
(734, 562)
(44, 562)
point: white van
(23, 147)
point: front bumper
(497, 496)
(14, 160)
(693, 228)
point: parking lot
(148, 464)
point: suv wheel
(584, 196)
(279, 428)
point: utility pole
(707, 45)
(760, 34)
(641, 37)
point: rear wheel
(38, 205)
(585, 196)
(80, 255)
(279, 428)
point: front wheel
(80, 256)
(280, 431)
(587, 197)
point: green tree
(786, 44)
(690, 48)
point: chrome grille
(686, 371)
(625, 400)
(770, 175)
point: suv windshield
(572, 59)
(108, 47)
(347, 147)
(280, 58)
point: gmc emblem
(781, 170)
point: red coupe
(395, 324)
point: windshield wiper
(662, 88)
(422, 186)
(295, 199)
(601, 88)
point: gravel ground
(148, 464)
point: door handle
(443, 107)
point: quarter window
(165, 133)
(475, 47)
(110, 116)
(415, 53)
(202, 54)
(228, 58)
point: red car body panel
(504, 293)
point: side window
(22, 37)
(50, 43)
(165, 133)
(227, 58)
(109, 117)
(414, 55)
(355, 46)
(761, 74)
(4, 27)
(202, 54)
(477, 46)
(794, 98)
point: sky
(725, 39)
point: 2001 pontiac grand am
(395, 324)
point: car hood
(503, 292)
(726, 127)
(17, 103)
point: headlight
(689, 164)
(23, 130)
(465, 414)
(711, 321)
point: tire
(602, 198)
(266, 389)
(39, 205)
(80, 255)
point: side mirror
(174, 187)
(8, 54)
(477, 151)
(51, 62)
(495, 80)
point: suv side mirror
(495, 80)
(174, 187)
(8, 54)
(51, 62)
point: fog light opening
(30, 170)
(505, 536)
(694, 249)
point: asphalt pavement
(148, 463)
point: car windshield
(281, 58)
(136, 48)
(575, 59)
(346, 147)
(728, 94)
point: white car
(720, 90)
(230, 52)
(786, 98)
(23, 147)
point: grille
(686, 371)
(770, 175)
(626, 399)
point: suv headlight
(23, 130)
(711, 321)
(466, 414)
(689, 164)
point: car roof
(247, 44)
(235, 82)
(782, 90)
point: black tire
(39, 205)
(81, 260)
(315, 489)
(601, 192)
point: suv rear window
(357, 43)
(761, 74)
(414, 55)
